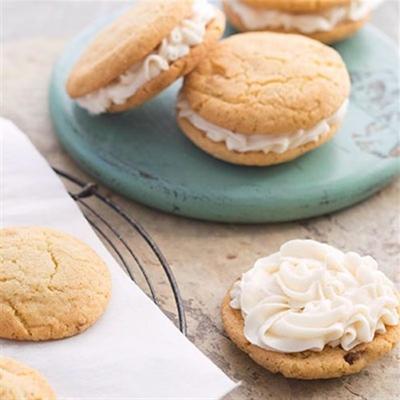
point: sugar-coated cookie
(51, 285)
(20, 382)
(311, 311)
(328, 21)
(142, 52)
(263, 98)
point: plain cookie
(20, 382)
(51, 285)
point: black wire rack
(144, 269)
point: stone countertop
(206, 257)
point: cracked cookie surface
(268, 83)
(51, 285)
(329, 363)
(20, 382)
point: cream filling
(253, 18)
(176, 45)
(266, 143)
(309, 295)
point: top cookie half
(268, 83)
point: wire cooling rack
(144, 261)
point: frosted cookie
(51, 285)
(20, 382)
(264, 98)
(311, 311)
(328, 21)
(142, 52)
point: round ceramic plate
(142, 154)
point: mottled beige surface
(207, 257)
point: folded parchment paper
(134, 351)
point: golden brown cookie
(20, 382)
(51, 285)
(340, 31)
(329, 363)
(129, 40)
(268, 84)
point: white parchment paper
(133, 351)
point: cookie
(274, 315)
(20, 382)
(308, 365)
(327, 21)
(51, 285)
(142, 52)
(263, 98)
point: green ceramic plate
(142, 155)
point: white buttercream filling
(309, 295)
(265, 143)
(255, 18)
(176, 45)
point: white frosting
(324, 21)
(176, 45)
(309, 295)
(265, 143)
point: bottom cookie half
(329, 363)
(252, 158)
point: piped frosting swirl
(309, 295)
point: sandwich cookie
(311, 311)
(328, 21)
(142, 52)
(264, 98)
(51, 285)
(20, 382)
